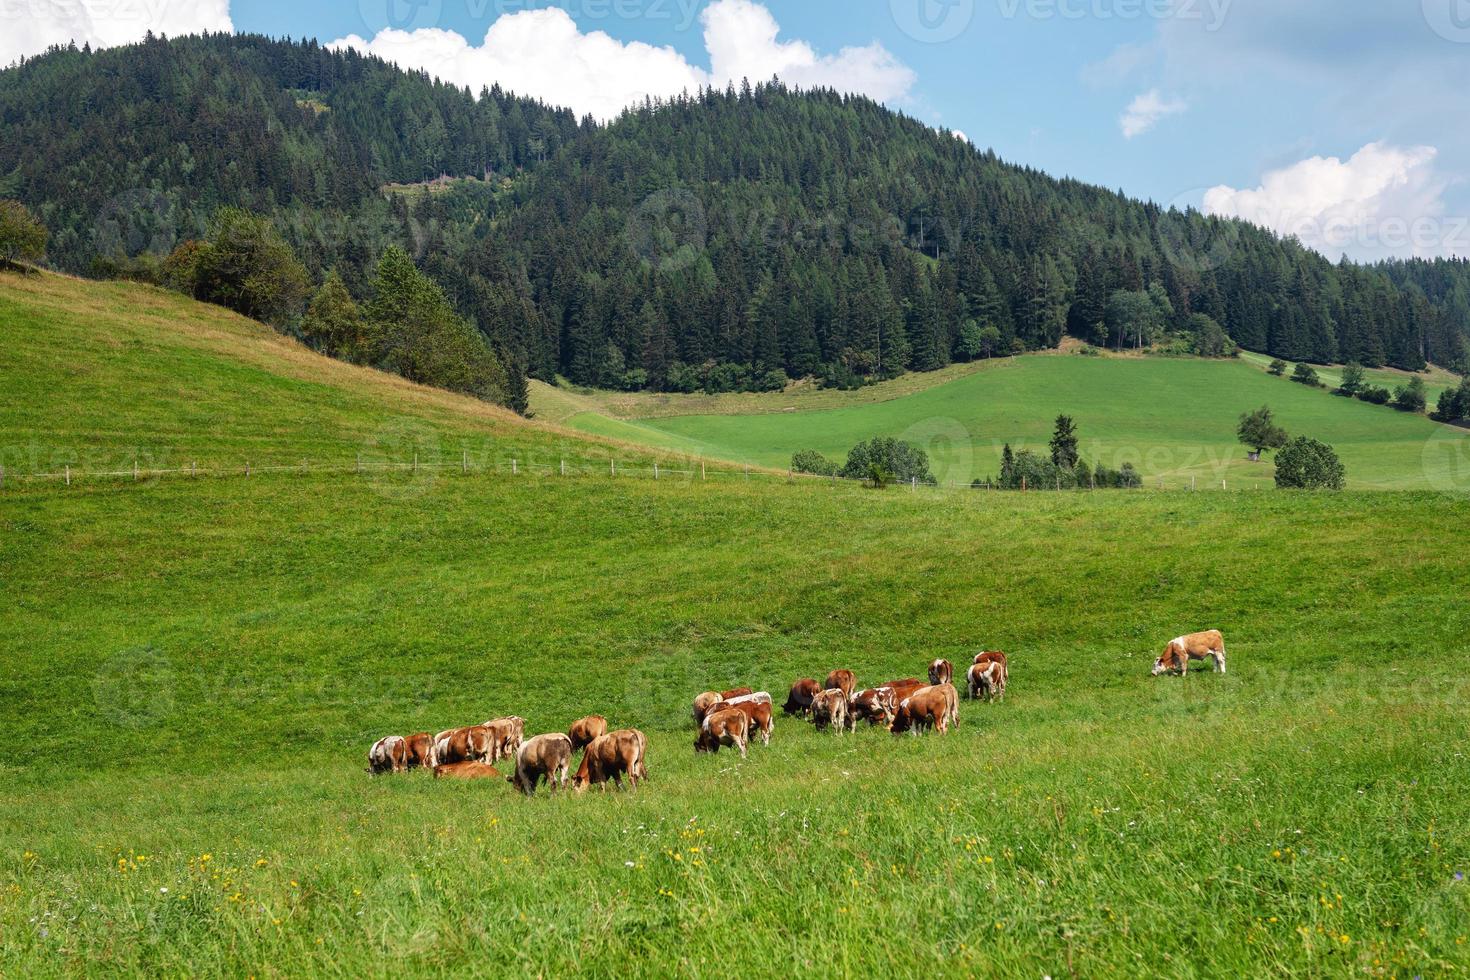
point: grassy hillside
(102, 375)
(195, 670)
(1174, 419)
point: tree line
(729, 239)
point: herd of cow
(730, 719)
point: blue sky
(1341, 121)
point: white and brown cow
(986, 656)
(1196, 646)
(841, 680)
(730, 727)
(420, 745)
(473, 744)
(756, 708)
(831, 709)
(799, 701)
(876, 704)
(609, 757)
(709, 699)
(941, 672)
(548, 756)
(388, 754)
(937, 706)
(988, 680)
(507, 735)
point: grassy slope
(1173, 419)
(195, 668)
(1436, 380)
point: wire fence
(688, 470)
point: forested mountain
(725, 239)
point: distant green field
(1173, 419)
(194, 670)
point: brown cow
(609, 757)
(941, 672)
(466, 770)
(841, 680)
(507, 734)
(987, 656)
(754, 709)
(730, 727)
(709, 699)
(584, 732)
(472, 744)
(799, 701)
(831, 708)
(905, 687)
(388, 755)
(988, 679)
(545, 755)
(876, 704)
(419, 747)
(1196, 646)
(929, 707)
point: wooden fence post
(701, 471)
(194, 468)
(415, 460)
(68, 474)
(2, 476)
(1023, 484)
(655, 469)
(563, 467)
(515, 467)
(464, 460)
(614, 464)
(135, 471)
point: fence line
(704, 472)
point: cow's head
(1166, 663)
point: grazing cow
(709, 699)
(904, 688)
(941, 672)
(831, 708)
(758, 713)
(799, 701)
(419, 747)
(466, 770)
(545, 755)
(988, 679)
(876, 704)
(1196, 646)
(507, 734)
(841, 680)
(937, 706)
(473, 744)
(610, 757)
(730, 727)
(992, 655)
(388, 755)
(584, 732)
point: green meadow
(1174, 419)
(195, 669)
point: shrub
(811, 461)
(1278, 367)
(1259, 431)
(1375, 394)
(1353, 380)
(247, 266)
(1454, 405)
(902, 461)
(1306, 464)
(1305, 374)
(22, 236)
(1410, 397)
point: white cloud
(28, 29)
(1145, 111)
(959, 135)
(1382, 202)
(542, 53)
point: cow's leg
(1220, 660)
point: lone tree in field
(1353, 379)
(1306, 464)
(1259, 431)
(22, 236)
(1064, 443)
(1278, 367)
(901, 461)
(1411, 397)
(811, 461)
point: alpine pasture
(197, 667)
(1173, 419)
